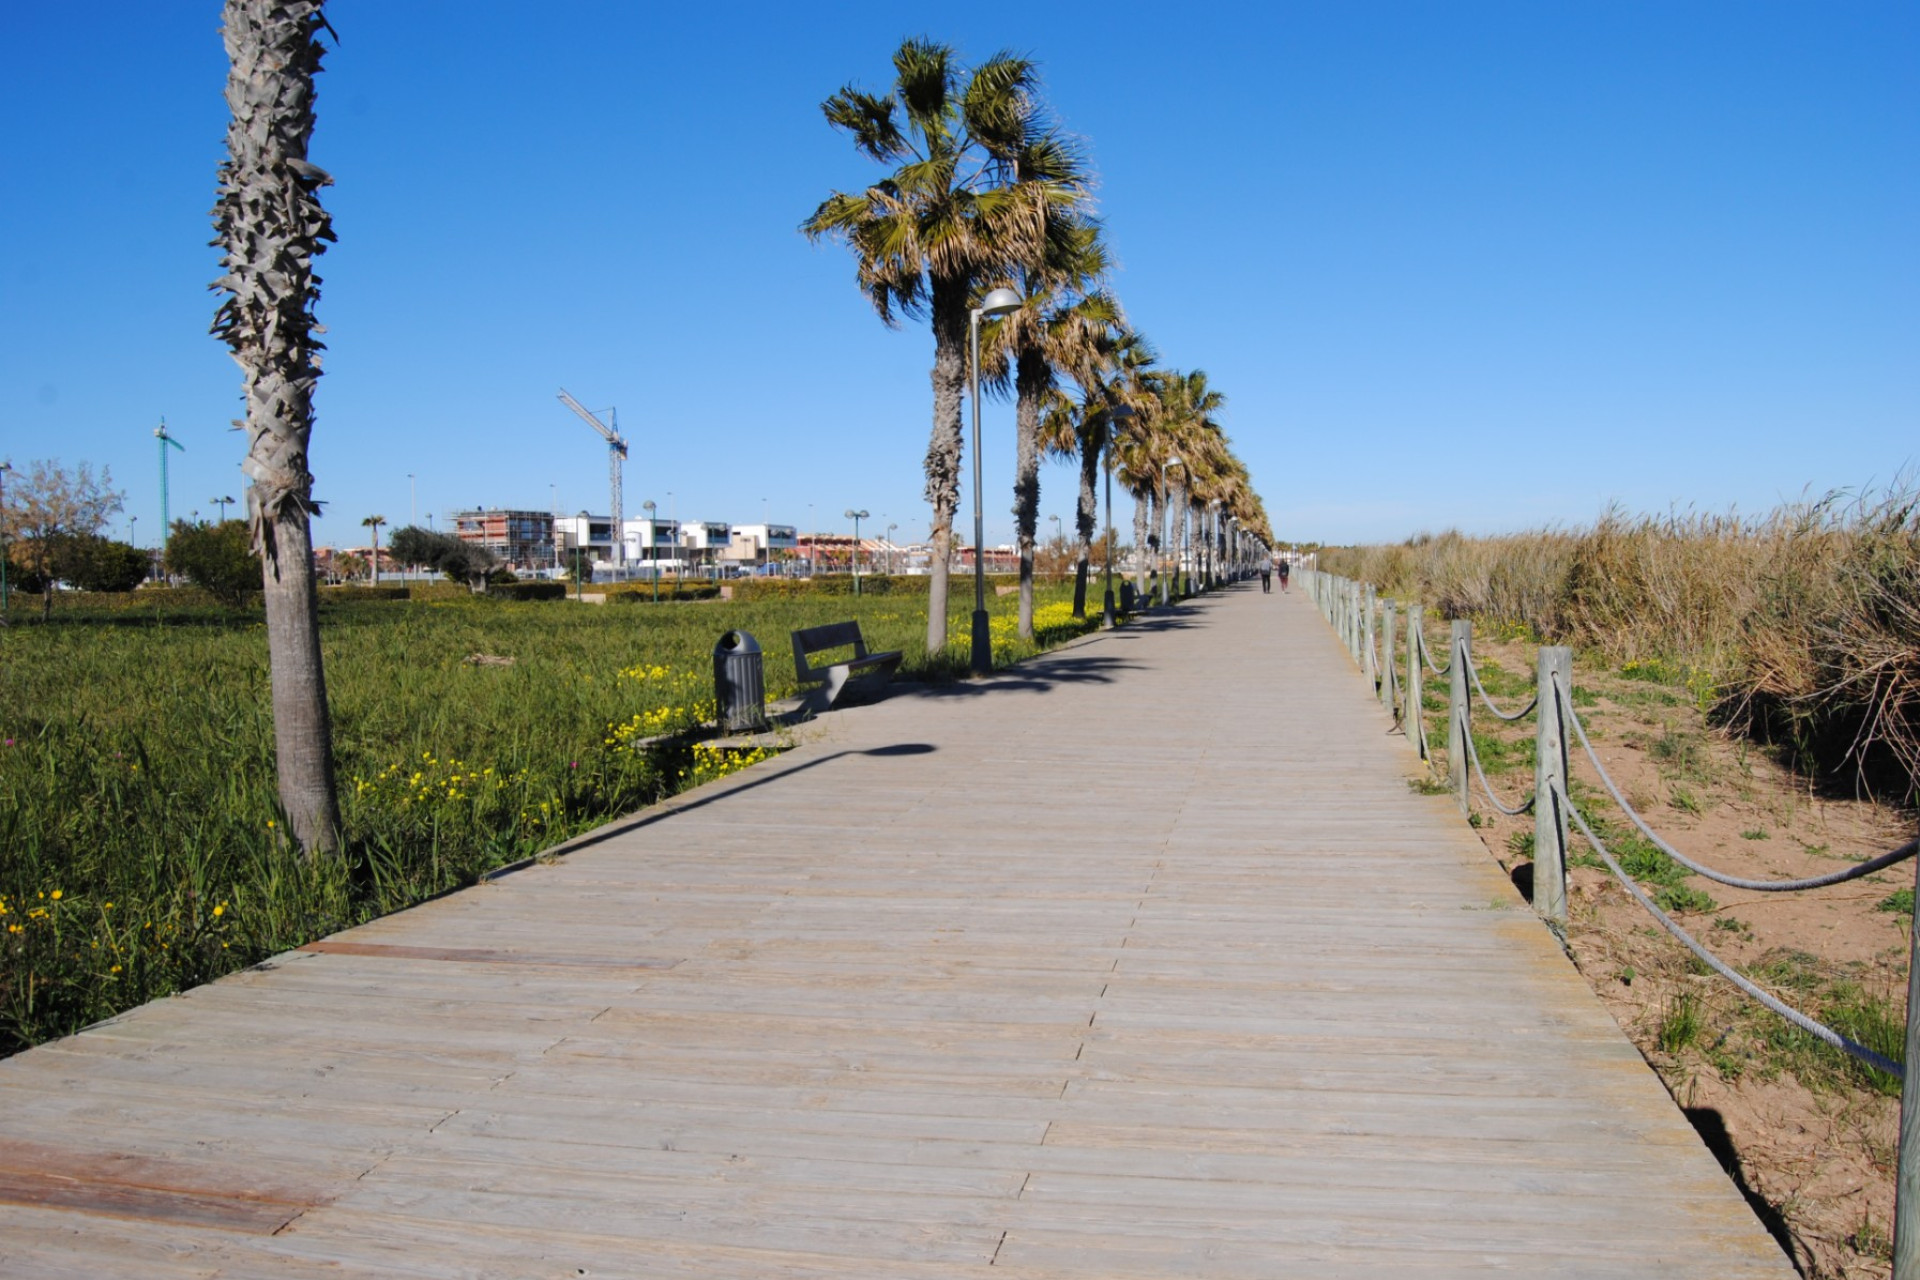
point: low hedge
(643, 592)
(385, 591)
(528, 591)
(871, 584)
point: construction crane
(616, 451)
(160, 433)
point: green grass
(141, 845)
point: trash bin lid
(736, 642)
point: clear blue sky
(1475, 264)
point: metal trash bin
(739, 684)
(1127, 597)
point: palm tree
(270, 225)
(926, 235)
(1103, 366)
(374, 523)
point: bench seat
(863, 671)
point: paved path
(1141, 961)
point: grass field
(141, 846)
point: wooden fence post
(1369, 663)
(1549, 784)
(1458, 712)
(1412, 696)
(1386, 658)
(1906, 1177)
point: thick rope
(1473, 754)
(1818, 1030)
(1427, 653)
(1854, 872)
(1473, 672)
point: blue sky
(1472, 265)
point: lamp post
(1059, 539)
(1165, 596)
(223, 504)
(653, 545)
(856, 517)
(1118, 413)
(890, 529)
(997, 303)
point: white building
(650, 541)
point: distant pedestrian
(1286, 570)
(1266, 579)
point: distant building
(520, 539)
(650, 542)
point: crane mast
(616, 453)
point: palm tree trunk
(271, 226)
(1177, 531)
(1088, 515)
(1030, 380)
(949, 307)
(1140, 530)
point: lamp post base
(982, 643)
(1106, 610)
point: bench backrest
(812, 640)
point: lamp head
(999, 302)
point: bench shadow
(1712, 1128)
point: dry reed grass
(1807, 620)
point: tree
(445, 554)
(217, 558)
(927, 234)
(270, 225)
(374, 523)
(101, 564)
(47, 508)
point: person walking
(1266, 579)
(1286, 571)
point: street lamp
(890, 529)
(653, 546)
(997, 303)
(1118, 413)
(223, 504)
(1059, 539)
(1172, 461)
(856, 517)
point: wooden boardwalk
(1142, 960)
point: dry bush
(1807, 620)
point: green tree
(445, 554)
(270, 226)
(927, 234)
(217, 558)
(101, 564)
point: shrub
(215, 557)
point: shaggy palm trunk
(271, 225)
(949, 307)
(1177, 532)
(1030, 381)
(1140, 530)
(1088, 514)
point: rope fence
(1350, 608)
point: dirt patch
(1808, 1135)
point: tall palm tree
(925, 235)
(270, 225)
(1102, 364)
(374, 523)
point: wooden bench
(865, 670)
